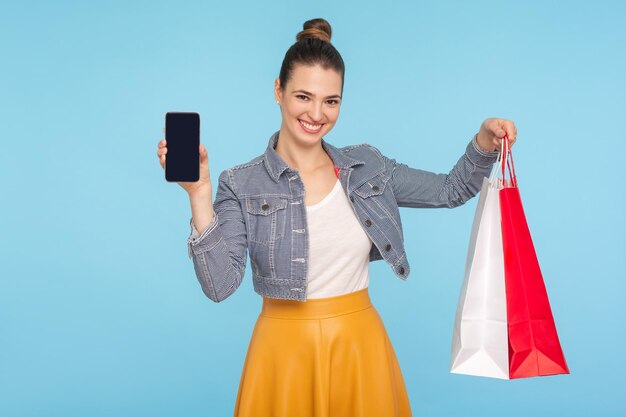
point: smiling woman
(312, 217)
(330, 355)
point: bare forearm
(485, 143)
(201, 208)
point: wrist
(483, 144)
(201, 193)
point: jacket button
(375, 188)
(265, 206)
(352, 199)
(368, 222)
(401, 270)
(388, 247)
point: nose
(315, 112)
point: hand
(204, 182)
(493, 130)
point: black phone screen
(182, 134)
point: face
(309, 103)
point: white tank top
(338, 247)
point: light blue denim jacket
(259, 206)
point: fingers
(162, 151)
(494, 127)
(501, 127)
(498, 131)
(511, 130)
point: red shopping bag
(534, 348)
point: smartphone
(182, 134)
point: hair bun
(316, 29)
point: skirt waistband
(316, 308)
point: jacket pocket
(266, 217)
(377, 198)
(373, 186)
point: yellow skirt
(326, 357)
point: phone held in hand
(182, 134)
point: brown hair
(312, 47)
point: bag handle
(505, 160)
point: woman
(319, 347)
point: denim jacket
(259, 206)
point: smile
(309, 127)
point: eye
(301, 96)
(333, 102)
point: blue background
(100, 311)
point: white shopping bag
(480, 338)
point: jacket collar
(275, 165)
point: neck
(306, 158)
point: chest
(318, 185)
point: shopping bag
(479, 341)
(534, 347)
(503, 305)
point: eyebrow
(311, 94)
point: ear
(277, 91)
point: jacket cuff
(478, 156)
(198, 243)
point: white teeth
(310, 127)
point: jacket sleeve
(219, 253)
(423, 189)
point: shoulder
(252, 165)
(256, 161)
(367, 153)
(240, 172)
(364, 150)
